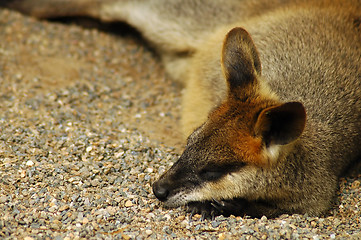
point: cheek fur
(248, 149)
(233, 185)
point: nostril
(160, 191)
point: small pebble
(64, 207)
(29, 238)
(29, 163)
(88, 149)
(128, 203)
(3, 199)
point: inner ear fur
(282, 124)
(240, 59)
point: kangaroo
(272, 97)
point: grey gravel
(88, 120)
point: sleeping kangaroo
(272, 97)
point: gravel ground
(88, 120)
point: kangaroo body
(275, 110)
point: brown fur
(264, 140)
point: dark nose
(160, 191)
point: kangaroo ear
(281, 124)
(240, 60)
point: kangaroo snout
(160, 190)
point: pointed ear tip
(300, 107)
(299, 104)
(236, 32)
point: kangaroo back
(176, 28)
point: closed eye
(211, 175)
(213, 172)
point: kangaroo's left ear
(282, 124)
(240, 60)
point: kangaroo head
(247, 134)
